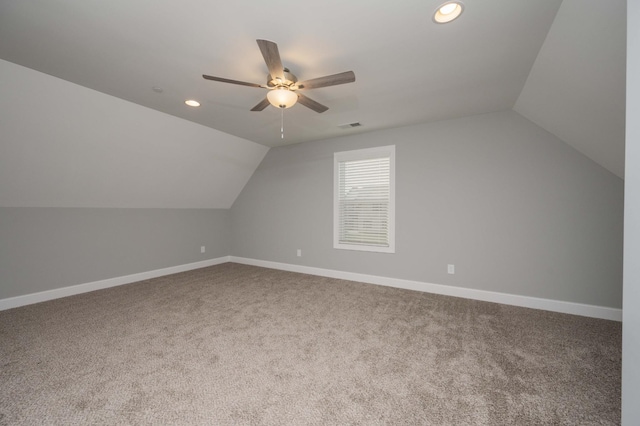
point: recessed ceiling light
(192, 103)
(447, 12)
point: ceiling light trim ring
(443, 15)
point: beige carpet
(235, 344)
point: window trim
(365, 154)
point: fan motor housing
(289, 79)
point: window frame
(388, 151)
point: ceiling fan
(283, 86)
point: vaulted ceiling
(559, 63)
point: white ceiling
(101, 151)
(408, 69)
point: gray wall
(514, 208)
(631, 307)
(48, 248)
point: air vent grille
(349, 125)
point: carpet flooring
(234, 344)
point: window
(364, 199)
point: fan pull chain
(281, 123)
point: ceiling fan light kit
(282, 97)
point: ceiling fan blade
(226, 80)
(272, 58)
(310, 103)
(262, 105)
(329, 80)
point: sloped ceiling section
(64, 145)
(576, 87)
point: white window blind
(364, 210)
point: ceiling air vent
(350, 125)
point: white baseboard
(467, 293)
(28, 299)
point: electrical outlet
(299, 253)
(202, 249)
(451, 269)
